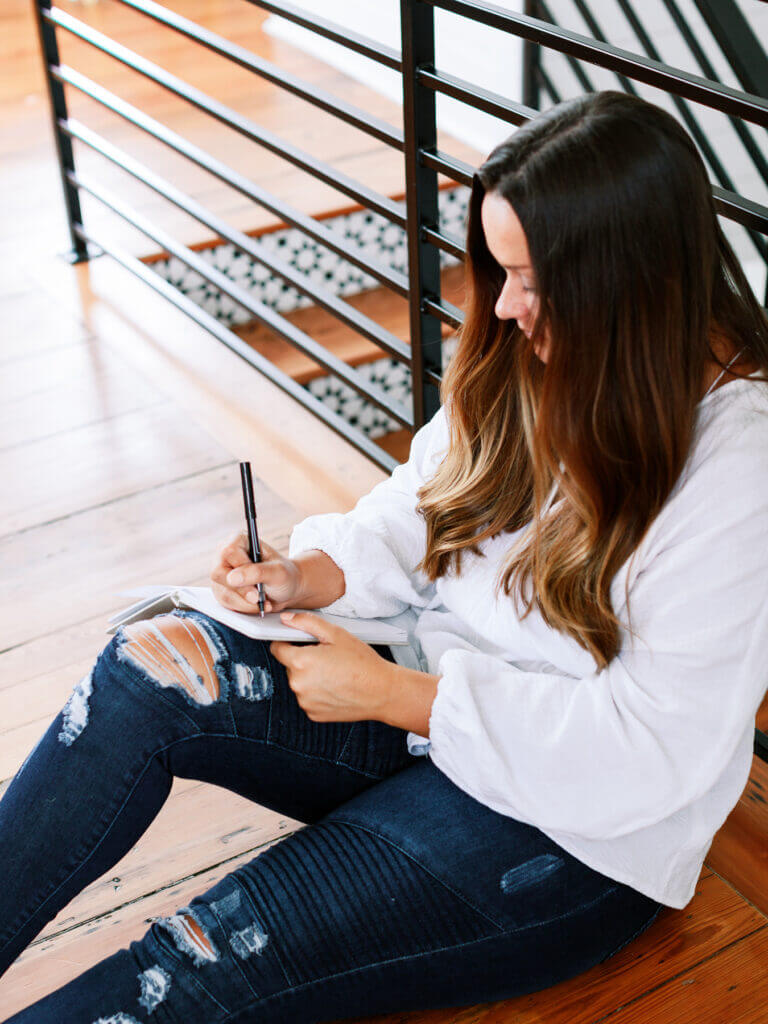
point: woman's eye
(527, 289)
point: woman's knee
(190, 653)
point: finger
(246, 575)
(326, 632)
(229, 598)
(282, 651)
(236, 556)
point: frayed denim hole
(222, 662)
(187, 942)
(251, 938)
(76, 711)
(154, 983)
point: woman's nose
(512, 303)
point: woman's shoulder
(734, 417)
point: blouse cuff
(306, 539)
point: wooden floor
(119, 418)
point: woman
(576, 544)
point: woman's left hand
(341, 679)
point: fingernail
(235, 577)
(252, 596)
(286, 615)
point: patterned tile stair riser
(377, 240)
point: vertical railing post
(420, 129)
(58, 107)
(531, 94)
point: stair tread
(380, 304)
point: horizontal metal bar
(653, 72)
(336, 306)
(259, 362)
(245, 126)
(274, 321)
(336, 33)
(443, 310)
(445, 242)
(433, 378)
(729, 204)
(481, 99)
(454, 168)
(739, 208)
(315, 229)
(355, 116)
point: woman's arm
(377, 545)
(410, 694)
(624, 748)
(322, 581)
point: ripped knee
(177, 652)
(184, 651)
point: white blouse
(631, 769)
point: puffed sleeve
(380, 541)
(626, 747)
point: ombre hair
(635, 278)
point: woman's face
(506, 241)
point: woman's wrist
(408, 698)
(321, 580)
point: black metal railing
(737, 44)
(423, 161)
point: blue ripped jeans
(400, 893)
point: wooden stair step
(380, 304)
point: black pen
(254, 549)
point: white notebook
(155, 600)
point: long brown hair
(635, 277)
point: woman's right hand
(281, 577)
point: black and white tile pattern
(376, 240)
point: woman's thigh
(411, 896)
(249, 733)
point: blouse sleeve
(626, 747)
(380, 541)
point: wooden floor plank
(65, 389)
(739, 851)
(731, 987)
(308, 464)
(71, 570)
(33, 322)
(100, 463)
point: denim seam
(445, 885)
(319, 757)
(346, 743)
(632, 937)
(391, 960)
(259, 917)
(230, 951)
